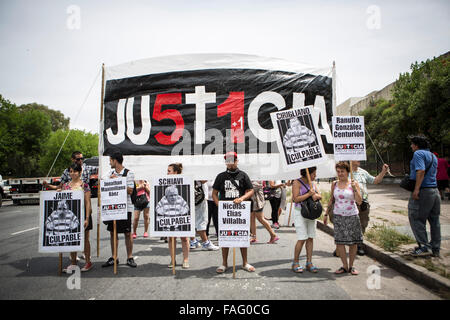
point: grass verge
(387, 238)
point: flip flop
(249, 268)
(221, 269)
(353, 271)
(273, 240)
(341, 270)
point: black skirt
(347, 230)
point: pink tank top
(344, 201)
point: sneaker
(109, 263)
(134, 236)
(420, 252)
(436, 254)
(276, 225)
(87, 267)
(145, 235)
(195, 244)
(208, 245)
(131, 263)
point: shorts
(89, 227)
(201, 216)
(148, 206)
(305, 228)
(122, 226)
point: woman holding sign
(177, 168)
(76, 184)
(347, 226)
(305, 228)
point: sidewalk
(389, 206)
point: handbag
(409, 184)
(311, 209)
(364, 205)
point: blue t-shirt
(421, 161)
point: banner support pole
(99, 164)
(290, 210)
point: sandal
(253, 240)
(221, 269)
(353, 271)
(171, 265)
(341, 270)
(185, 265)
(273, 240)
(249, 268)
(311, 267)
(298, 269)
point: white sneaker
(208, 245)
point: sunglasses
(78, 159)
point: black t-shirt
(227, 190)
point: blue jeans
(427, 208)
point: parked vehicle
(26, 190)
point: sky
(52, 51)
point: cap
(230, 155)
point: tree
(23, 133)
(420, 104)
(78, 140)
(56, 117)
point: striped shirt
(299, 139)
(61, 221)
(166, 209)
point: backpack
(311, 209)
(198, 193)
(133, 195)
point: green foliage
(56, 117)
(387, 238)
(22, 134)
(85, 142)
(420, 104)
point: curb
(417, 273)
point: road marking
(23, 231)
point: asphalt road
(27, 274)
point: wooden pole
(115, 247)
(290, 210)
(351, 170)
(99, 164)
(309, 179)
(172, 240)
(60, 264)
(234, 263)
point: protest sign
(113, 199)
(61, 221)
(349, 138)
(298, 138)
(171, 206)
(234, 224)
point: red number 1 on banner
(234, 105)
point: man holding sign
(232, 185)
(123, 226)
